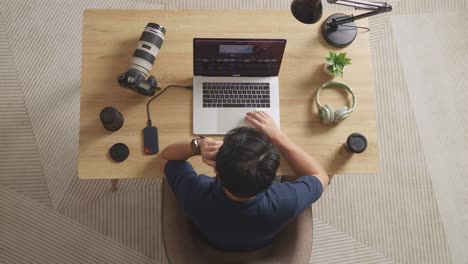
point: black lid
(356, 143)
(119, 152)
(108, 115)
(158, 27)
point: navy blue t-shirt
(238, 226)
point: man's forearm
(177, 151)
(301, 162)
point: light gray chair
(292, 246)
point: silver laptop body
(233, 77)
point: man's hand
(263, 122)
(208, 150)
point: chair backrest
(292, 245)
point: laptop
(233, 77)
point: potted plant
(335, 63)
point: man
(242, 208)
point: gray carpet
(413, 211)
(437, 86)
(21, 168)
(32, 233)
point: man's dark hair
(247, 162)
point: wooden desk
(110, 38)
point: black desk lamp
(339, 30)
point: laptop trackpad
(232, 118)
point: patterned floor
(408, 213)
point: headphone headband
(336, 84)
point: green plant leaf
(337, 62)
(330, 56)
(340, 57)
(344, 55)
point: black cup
(111, 118)
(356, 143)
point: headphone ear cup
(341, 114)
(327, 115)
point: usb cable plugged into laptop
(150, 132)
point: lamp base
(339, 36)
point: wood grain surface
(110, 38)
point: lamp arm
(377, 8)
(360, 4)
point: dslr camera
(137, 77)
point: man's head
(247, 162)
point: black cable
(162, 91)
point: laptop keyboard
(232, 95)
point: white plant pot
(326, 70)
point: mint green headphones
(326, 112)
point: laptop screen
(237, 57)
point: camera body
(136, 81)
(137, 77)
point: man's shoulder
(280, 191)
(292, 189)
(286, 186)
(180, 173)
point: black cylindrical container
(111, 118)
(119, 152)
(356, 143)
